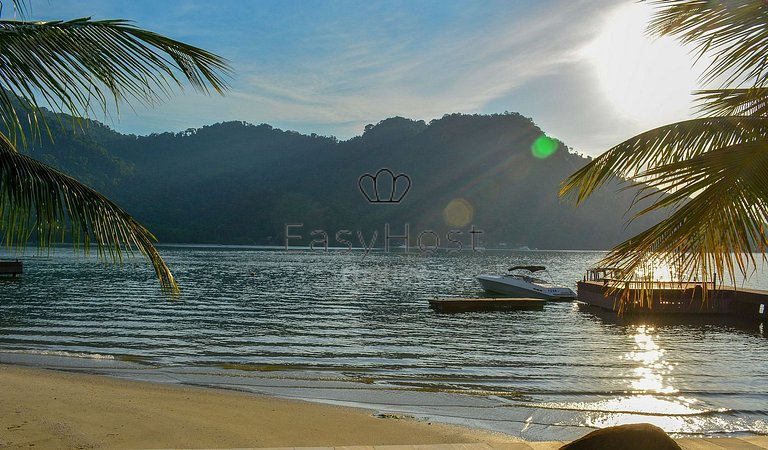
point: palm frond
(721, 201)
(709, 174)
(20, 8)
(664, 145)
(79, 66)
(36, 200)
(733, 32)
(733, 102)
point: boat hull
(503, 285)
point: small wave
(642, 405)
(616, 411)
(62, 353)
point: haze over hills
(237, 183)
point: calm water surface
(368, 318)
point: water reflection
(667, 414)
(652, 385)
(653, 373)
(371, 318)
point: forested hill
(239, 183)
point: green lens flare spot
(544, 147)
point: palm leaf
(664, 145)
(20, 7)
(36, 200)
(732, 32)
(710, 174)
(80, 66)
(721, 200)
(733, 102)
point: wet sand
(42, 408)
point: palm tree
(709, 173)
(80, 67)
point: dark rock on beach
(636, 436)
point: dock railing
(608, 290)
(658, 284)
(611, 277)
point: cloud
(330, 68)
(370, 77)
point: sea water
(352, 328)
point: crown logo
(384, 186)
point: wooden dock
(451, 305)
(11, 268)
(675, 298)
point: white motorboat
(522, 281)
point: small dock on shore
(672, 298)
(451, 305)
(11, 268)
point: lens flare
(458, 213)
(544, 147)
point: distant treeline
(238, 183)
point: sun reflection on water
(653, 373)
(651, 395)
(652, 389)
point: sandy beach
(53, 409)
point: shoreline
(478, 411)
(347, 336)
(57, 409)
(485, 411)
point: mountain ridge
(239, 183)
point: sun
(643, 77)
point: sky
(583, 70)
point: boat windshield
(515, 272)
(530, 279)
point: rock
(636, 436)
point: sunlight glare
(650, 375)
(672, 415)
(643, 77)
